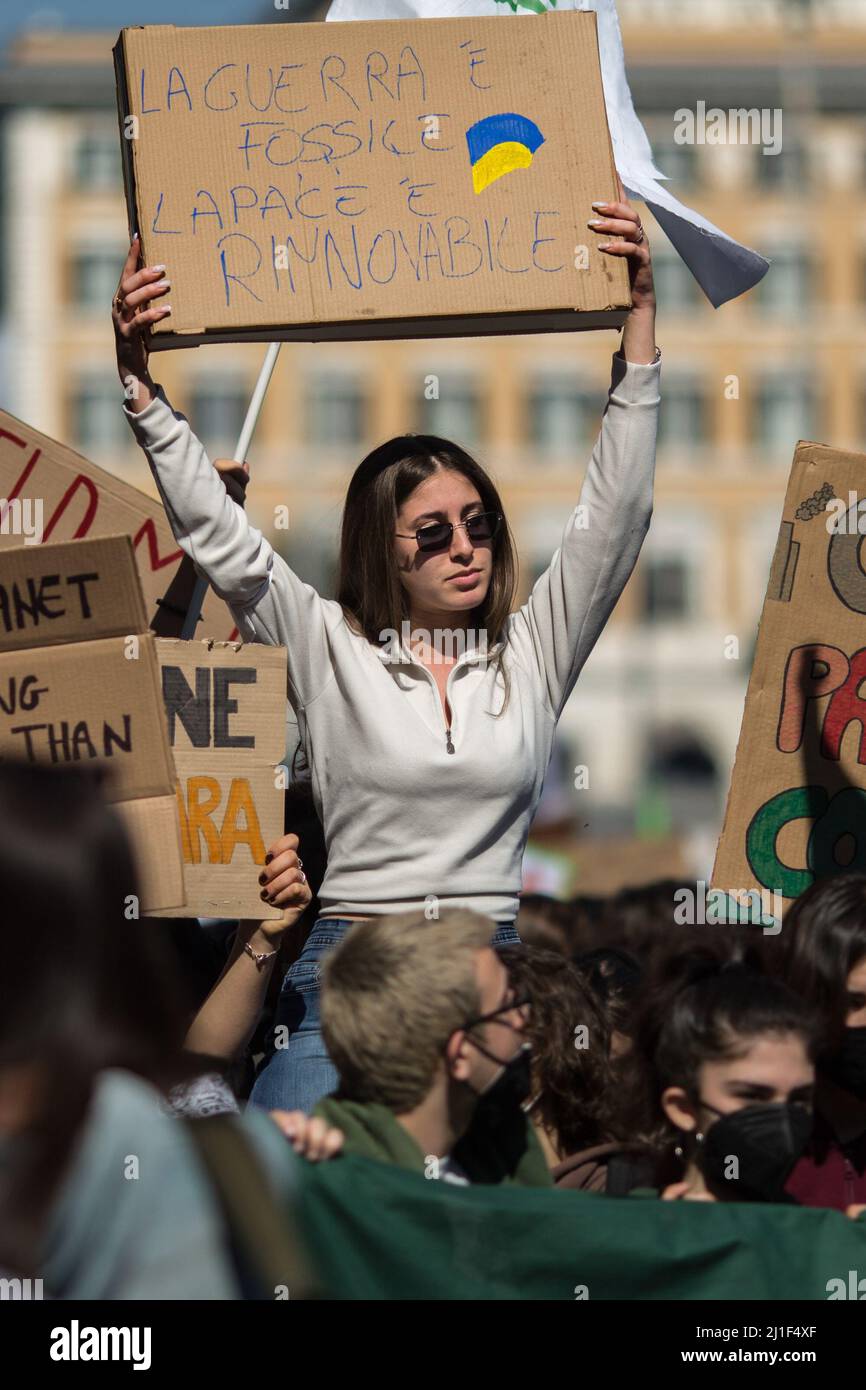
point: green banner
(378, 1232)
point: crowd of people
(612, 1050)
(164, 1084)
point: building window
(335, 408)
(676, 287)
(682, 414)
(311, 551)
(679, 162)
(218, 407)
(787, 171)
(666, 589)
(786, 287)
(98, 422)
(94, 277)
(456, 414)
(560, 415)
(681, 778)
(784, 412)
(96, 160)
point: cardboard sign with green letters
(797, 805)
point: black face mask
(847, 1066)
(766, 1140)
(511, 1085)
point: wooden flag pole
(198, 595)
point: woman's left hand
(627, 238)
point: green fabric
(507, 1153)
(378, 1232)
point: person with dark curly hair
(614, 977)
(569, 1035)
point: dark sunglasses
(436, 534)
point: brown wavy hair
(572, 1082)
(368, 584)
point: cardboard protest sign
(89, 700)
(225, 705)
(374, 179)
(797, 804)
(50, 493)
(74, 601)
(79, 682)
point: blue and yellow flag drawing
(500, 143)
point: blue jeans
(297, 1072)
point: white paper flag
(722, 267)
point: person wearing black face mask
(511, 1084)
(730, 1053)
(832, 1172)
(822, 955)
(497, 1135)
(747, 1155)
(748, 1151)
(427, 1036)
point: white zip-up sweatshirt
(408, 823)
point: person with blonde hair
(428, 1040)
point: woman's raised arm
(556, 629)
(268, 601)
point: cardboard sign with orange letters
(225, 703)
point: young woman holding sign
(427, 763)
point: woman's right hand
(235, 476)
(283, 881)
(131, 313)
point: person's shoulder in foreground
(135, 1217)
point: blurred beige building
(656, 713)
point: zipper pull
(448, 744)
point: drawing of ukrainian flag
(498, 144)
